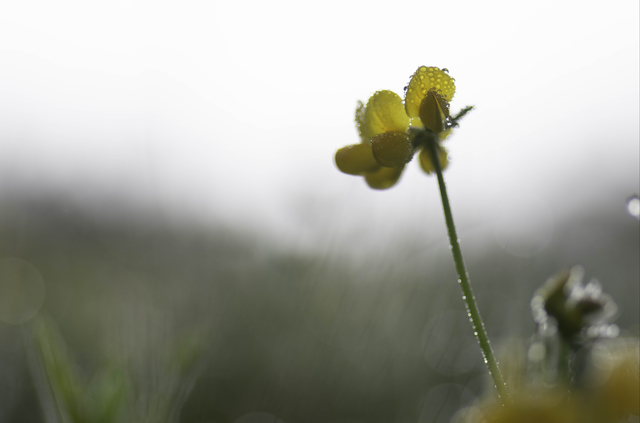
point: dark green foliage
(215, 324)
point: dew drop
(421, 77)
(633, 206)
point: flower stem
(564, 357)
(467, 292)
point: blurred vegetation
(146, 321)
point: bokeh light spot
(633, 206)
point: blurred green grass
(302, 336)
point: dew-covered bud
(434, 111)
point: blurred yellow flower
(391, 131)
(616, 382)
(552, 406)
(610, 393)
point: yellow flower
(607, 392)
(549, 406)
(392, 131)
(617, 379)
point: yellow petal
(416, 123)
(427, 164)
(434, 110)
(360, 120)
(384, 178)
(391, 149)
(356, 159)
(384, 113)
(421, 82)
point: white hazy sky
(233, 110)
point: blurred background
(170, 205)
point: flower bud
(434, 111)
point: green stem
(467, 292)
(564, 356)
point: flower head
(392, 131)
(610, 393)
